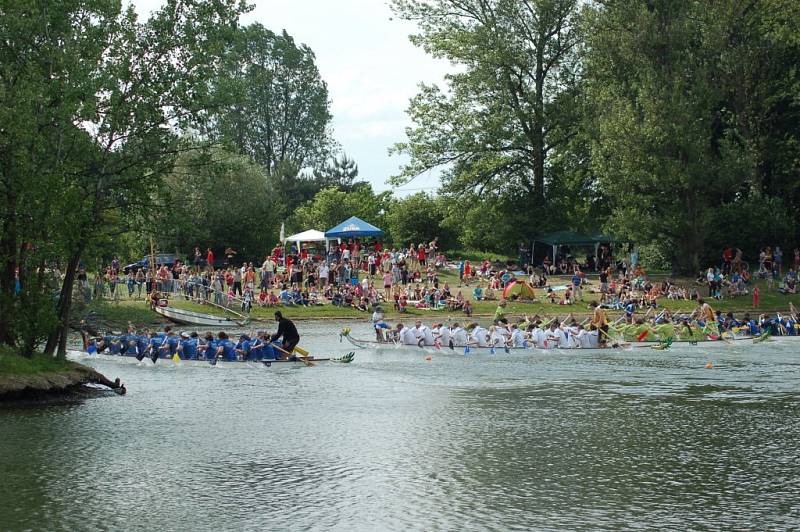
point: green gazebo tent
(572, 239)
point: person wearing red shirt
(422, 255)
(210, 259)
(304, 253)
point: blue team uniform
(228, 349)
(189, 348)
(244, 346)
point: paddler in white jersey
(478, 335)
(539, 336)
(441, 332)
(496, 337)
(459, 335)
(504, 331)
(570, 331)
(517, 336)
(423, 334)
(406, 336)
(556, 336)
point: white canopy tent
(312, 235)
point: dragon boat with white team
(589, 344)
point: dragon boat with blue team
(150, 348)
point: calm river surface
(639, 439)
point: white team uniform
(460, 337)
(479, 336)
(445, 336)
(407, 337)
(427, 335)
(517, 338)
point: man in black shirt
(288, 331)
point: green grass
(11, 363)
(117, 314)
(476, 257)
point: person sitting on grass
(566, 299)
(477, 293)
(285, 297)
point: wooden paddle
(302, 359)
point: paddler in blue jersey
(243, 347)
(187, 348)
(257, 346)
(225, 348)
(169, 343)
(207, 347)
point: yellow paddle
(302, 359)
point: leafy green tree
(419, 219)
(279, 115)
(331, 206)
(215, 200)
(508, 105)
(684, 122)
(100, 99)
(341, 173)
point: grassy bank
(115, 315)
(13, 364)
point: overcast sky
(371, 68)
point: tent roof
(353, 228)
(312, 235)
(559, 238)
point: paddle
(301, 358)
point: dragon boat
(710, 341)
(294, 361)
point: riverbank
(115, 315)
(42, 377)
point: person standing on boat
(288, 332)
(600, 324)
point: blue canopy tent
(353, 227)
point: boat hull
(187, 317)
(709, 344)
(76, 356)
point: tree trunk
(8, 266)
(58, 337)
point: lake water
(637, 439)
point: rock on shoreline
(47, 384)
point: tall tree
(507, 106)
(216, 200)
(341, 173)
(280, 116)
(686, 100)
(105, 98)
(331, 206)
